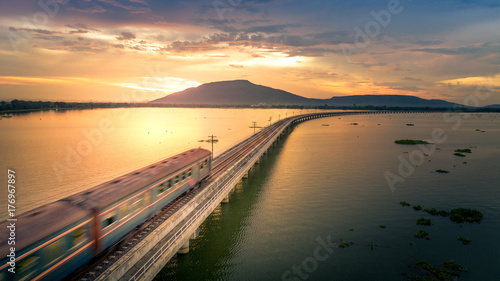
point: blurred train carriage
(54, 240)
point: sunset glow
(103, 50)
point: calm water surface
(56, 154)
(327, 182)
(321, 183)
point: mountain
(494, 106)
(237, 92)
(388, 100)
(245, 93)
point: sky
(141, 50)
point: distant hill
(243, 92)
(494, 106)
(388, 100)
(237, 92)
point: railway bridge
(153, 245)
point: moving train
(54, 240)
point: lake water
(56, 154)
(321, 183)
(327, 183)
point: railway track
(100, 264)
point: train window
(26, 269)
(53, 251)
(177, 179)
(109, 220)
(136, 205)
(161, 188)
(147, 197)
(170, 183)
(206, 161)
(78, 236)
(190, 172)
(125, 210)
(201, 166)
(183, 175)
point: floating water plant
(442, 171)
(353, 124)
(343, 244)
(461, 215)
(465, 150)
(435, 212)
(417, 207)
(422, 234)
(449, 271)
(382, 226)
(411, 142)
(459, 154)
(465, 241)
(423, 221)
(410, 125)
(404, 203)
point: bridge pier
(184, 248)
(225, 200)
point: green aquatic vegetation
(444, 213)
(442, 171)
(404, 203)
(411, 142)
(435, 212)
(417, 207)
(450, 265)
(465, 241)
(449, 271)
(464, 150)
(432, 211)
(382, 226)
(410, 125)
(343, 244)
(459, 154)
(422, 234)
(423, 221)
(461, 215)
(354, 124)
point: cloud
(399, 86)
(483, 49)
(35, 30)
(368, 65)
(94, 9)
(126, 36)
(406, 78)
(81, 27)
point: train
(54, 240)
